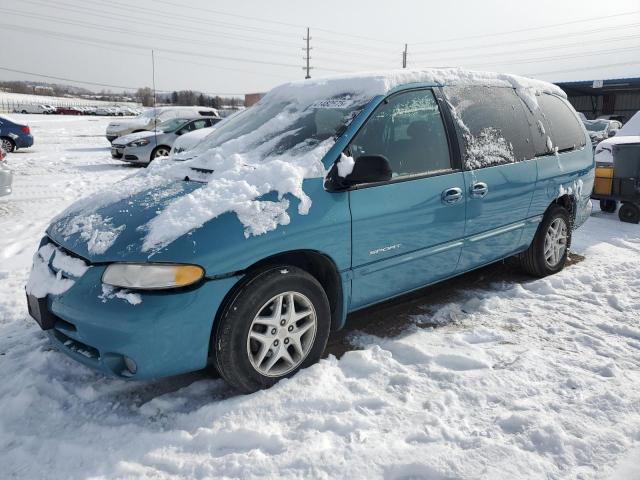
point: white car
(629, 133)
(189, 140)
(43, 109)
(152, 117)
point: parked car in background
(42, 109)
(189, 140)
(325, 197)
(620, 118)
(143, 147)
(629, 133)
(6, 175)
(14, 135)
(600, 129)
(68, 111)
(151, 118)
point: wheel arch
(568, 202)
(319, 265)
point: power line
(560, 57)
(529, 40)
(147, 47)
(258, 19)
(591, 67)
(95, 26)
(540, 27)
(529, 50)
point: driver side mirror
(366, 169)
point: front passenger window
(408, 130)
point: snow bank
(274, 147)
(44, 281)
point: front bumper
(167, 333)
(133, 154)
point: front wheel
(160, 151)
(548, 252)
(277, 323)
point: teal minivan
(326, 197)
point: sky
(242, 46)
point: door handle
(479, 190)
(452, 195)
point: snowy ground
(498, 377)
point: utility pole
(153, 76)
(307, 58)
(404, 57)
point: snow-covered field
(509, 378)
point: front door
(407, 232)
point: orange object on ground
(603, 181)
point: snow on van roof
(271, 147)
(382, 82)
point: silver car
(143, 147)
(6, 176)
(152, 117)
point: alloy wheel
(282, 334)
(555, 242)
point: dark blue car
(14, 136)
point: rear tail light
(25, 130)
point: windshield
(283, 126)
(172, 125)
(596, 125)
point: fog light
(131, 365)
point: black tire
(154, 153)
(533, 260)
(608, 206)
(24, 112)
(629, 213)
(8, 144)
(229, 341)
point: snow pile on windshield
(42, 279)
(273, 147)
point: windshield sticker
(332, 103)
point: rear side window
(565, 133)
(492, 122)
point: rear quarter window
(492, 123)
(563, 128)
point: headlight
(151, 276)
(138, 143)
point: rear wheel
(8, 144)
(548, 252)
(277, 324)
(608, 206)
(629, 212)
(24, 111)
